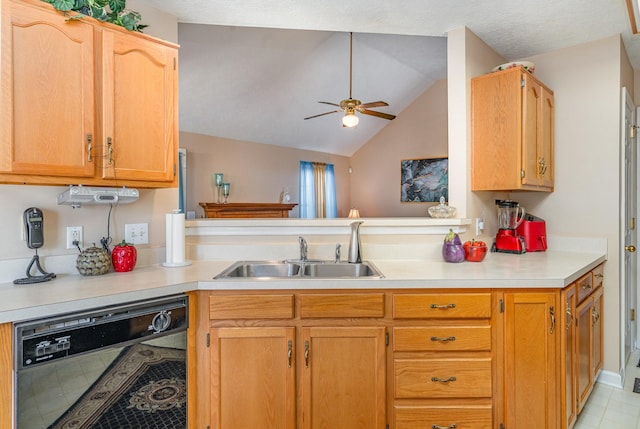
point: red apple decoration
(475, 251)
(124, 256)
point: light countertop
(551, 269)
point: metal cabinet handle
(598, 275)
(586, 285)
(109, 150)
(289, 352)
(89, 147)
(552, 314)
(569, 317)
(443, 339)
(451, 426)
(306, 354)
(443, 306)
(595, 316)
(443, 380)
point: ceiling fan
(350, 106)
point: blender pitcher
(510, 214)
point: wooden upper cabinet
(84, 102)
(512, 132)
(48, 93)
(139, 90)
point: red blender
(510, 215)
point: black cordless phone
(33, 227)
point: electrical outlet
(136, 233)
(479, 226)
(74, 233)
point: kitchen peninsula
(507, 315)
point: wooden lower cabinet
(253, 378)
(589, 347)
(531, 369)
(275, 368)
(343, 378)
(568, 356)
(395, 359)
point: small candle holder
(226, 188)
(217, 181)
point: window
(317, 190)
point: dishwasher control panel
(44, 340)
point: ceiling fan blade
(331, 104)
(373, 104)
(378, 114)
(322, 114)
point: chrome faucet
(303, 249)
(355, 250)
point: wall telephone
(33, 227)
(34, 235)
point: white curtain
(317, 190)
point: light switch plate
(136, 233)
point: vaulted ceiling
(253, 69)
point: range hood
(78, 195)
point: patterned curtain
(317, 190)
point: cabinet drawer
(585, 286)
(222, 307)
(341, 305)
(598, 276)
(442, 306)
(442, 338)
(460, 417)
(442, 378)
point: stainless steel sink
(299, 270)
(261, 269)
(340, 269)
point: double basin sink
(300, 269)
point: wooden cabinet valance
(246, 210)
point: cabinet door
(253, 378)
(531, 101)
(47, 98)
(546, 142)
(597, 333)
(531, 339)
(343, 378)
(537, 134)
(139, 89)
(568, 356)
(584, 347)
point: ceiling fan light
(350, 120)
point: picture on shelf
(424, 180)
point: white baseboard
(611, 378)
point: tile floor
(612, 408)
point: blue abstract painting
(424, 180)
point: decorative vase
(93, 261)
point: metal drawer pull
(598, 275)
(289, 353)
(443, 380)
(586, 285)
(443, 306)
(444, 340)
(451, 426)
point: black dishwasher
(120, 366)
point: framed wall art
(424, 180)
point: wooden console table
(246, 210)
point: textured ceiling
(256, 70)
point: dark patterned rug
(144, 388)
